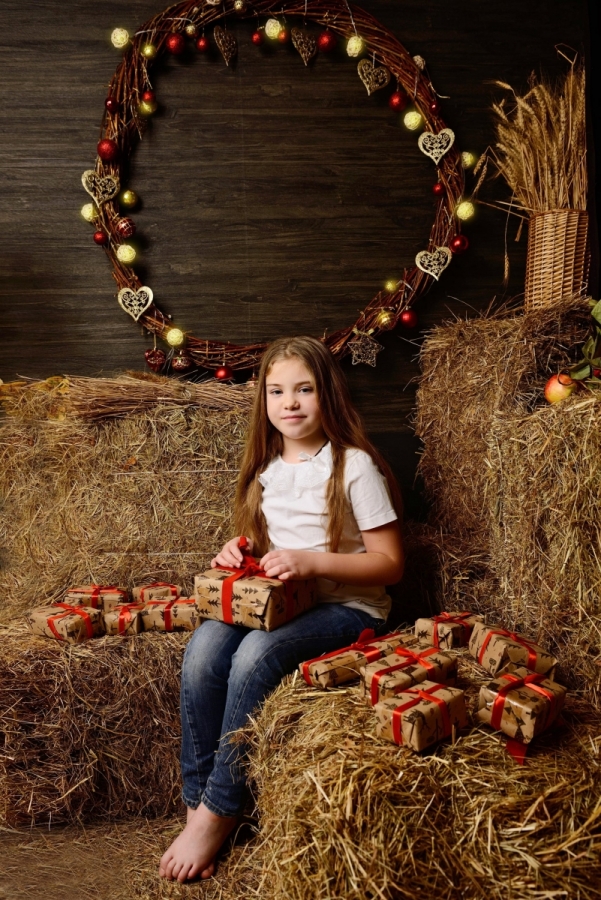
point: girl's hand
(293, 565)
(231, 554)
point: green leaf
(589, 347)
(580, 371)
(596, 312)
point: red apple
(558, 387)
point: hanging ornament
(398, 100)
(412, 120)
(240, 6)
(391, 286)
(436, 145)
(272, 28)
(326, 41)
(284, 36)
(129, 199)
(224, 373)
(89, 211)
(107, 150)
(135, 302)
(148, 104)
(433, 263)
(468, 159)
(355, 45)
(465, 210)
(434, 107)
(305, 43)
(459, 244)
(420, 62)
(112, 105)
(101, 238)
(373, 77)
(149, 51)
(364, 348)
(125, 228)
(175, 43)
(408, 318)
(202, 44)
(385, 318)
(257, 38)
(226, 43)
(126, 254)
(119, 38)
(155, 359)
(438, 189)
(101, 187)
(175, 337)
(190, 30)
(181, 362)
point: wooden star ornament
(364, 348)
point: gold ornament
(226, 43)
(412, 120)
(465, 210)
(355, 45)
(240, 6)
(420, 62)
(89, 212)
(119, 38)
(305, 43)
(272, 28)
(364, 348)
(148, 51)
(391, 286)
(436, 145)
(147, 107)
(128, 198)
(126, 254)
(190, 30)
(101, 187)
(468, 159)
(175, 337)
(373, 77)
(433, 263)
(135, 302)
(385, 316)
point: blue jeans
(227, 672)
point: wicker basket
(557, 264)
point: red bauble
(202, 44)
(284, 36)
(155, 359)
(108, 150)
(176, 44)
(181, 362)
(149, 97)
(438, 189)
(112, 105)
(326, 41)
(224, 373)
(101, 238)
(435, 107)
(459, 244)
(257, 38)
(125, 228)
(398, 101)
(596, 372)
(408, 318)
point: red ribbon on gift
(250, 567)
(93, 591)
(411, 659)
(420, 694)
(155, 584)
(529, 645)
(450, 619)
(125, 615)
(362, 643)
(169, 604)
(516, 748)
(70, 611)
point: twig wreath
(131, 100)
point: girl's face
(292, 404)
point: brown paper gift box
(404, 668)
(495, 648)
(98, 596)
(447, 630)
(158, 590)
(422, 715)
(256, 601)
(342, 666)
(520, 703)
(63, 622)
(125, 619)
(180, 614)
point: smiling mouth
(292, 418)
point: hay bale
(349, 817)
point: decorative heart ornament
(135, 302)
(226, 42)
(436, 145)
(305, 43)
(434, 263)
(100, 187)
(373, 78)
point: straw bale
(348, 817)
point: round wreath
(131, 100)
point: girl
(315, 500)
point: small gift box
(98, 596)
(72, 624)
(422, 715)
(246, 596)
(520, 703)
(125, 619)
(180, 614)
(447, 630)
(495, 648)
(158, 590)
(404, 668)
(342, 666)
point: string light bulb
(126, 254)
(89, 212)
(412, 120)
(355, 45)
(119, 38)
(175, 337)
(272, 29)
(468, 159)
(465, 210)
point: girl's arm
(381, 564)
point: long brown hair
(341, 424)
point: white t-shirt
(294, 506)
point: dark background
(276, 198)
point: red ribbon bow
(411, 659)
(451, 619)
(169, 604)
(125, 615)
(517, 749)
(155, 584)
(250, 567)
(70, 611)
(420, 694)
(528, 645)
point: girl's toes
(208, 872)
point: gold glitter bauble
(89, 212)
(385, 318)
(240, 6)
(390, 286)
(126, 254)
(146, 108)
(191, 30)
(148, 51)
(465, 210)
(272, 28)
(175, 337)
(412, 120)
(355, 45)
(119, 38)
(129, 199)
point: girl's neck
(310, 445)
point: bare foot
(193, 852)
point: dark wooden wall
(276, 198)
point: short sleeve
(367, 492)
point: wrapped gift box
(72, 624)
(520, 703)
(179, 614)
(422, 715)
(495, 648)
(342, 666)
(125, 620)
(404, 668)
(158, 590)
(447, 630)
(98, 596)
